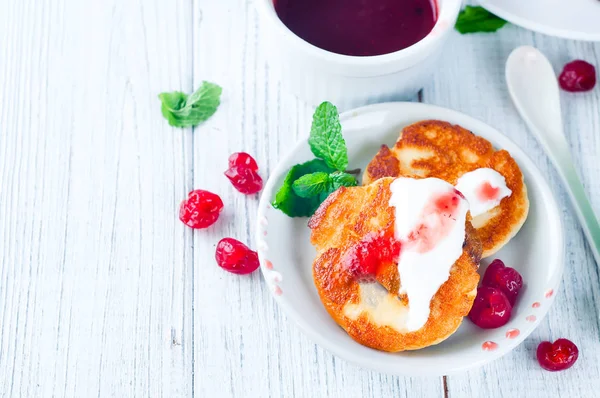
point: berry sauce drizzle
(437, 218)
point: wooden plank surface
(472, 81)
(104, 293)
(244, 346)
(95, 286)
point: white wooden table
(103, 292)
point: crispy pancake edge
(337, 225)
(457, 145)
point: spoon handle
(566, 170)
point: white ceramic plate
(536, 252)
(571, 19)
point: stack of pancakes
(372, 313)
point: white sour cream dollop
(481, 197)
(432, 241)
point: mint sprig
(473, 19)
(326, 140)
(340, 179)
(291, 203)
(308, 184)
(319, 183)
(182, 110)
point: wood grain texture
(244, 345)
(481, 92)
(95, 285)
(103, 292)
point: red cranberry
(364, 261)
(201, 209)
(556, 356)
(491, 308)
(243, 173)
(234, 256)
(388, 249)
(242, 159)
(507, 279)
(578, 76)
(244, 179)
(366, 256)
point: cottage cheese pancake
(396, 262)
(439, 149)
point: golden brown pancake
(370, 311)
(433, 148)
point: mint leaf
(302, 192)
(326, 140)
(477, 19)
(341, 179)
(310, 185)
(173, 101)
(288, 201)
(319, 183)
(206, 99)
(182, 110)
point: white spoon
(533, 87)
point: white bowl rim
(368, 363)
(539, 26)
(447, 14)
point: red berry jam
(437, 221)
(234, 256)
(365, 258)
(201, 209)
(578, 76)
(487, 192)
(243, 173)
(504, 278)
(242, 159)
(556, 356)
(358, 27)
(491, 308)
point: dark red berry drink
(359, 27)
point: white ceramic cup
(317, 75)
